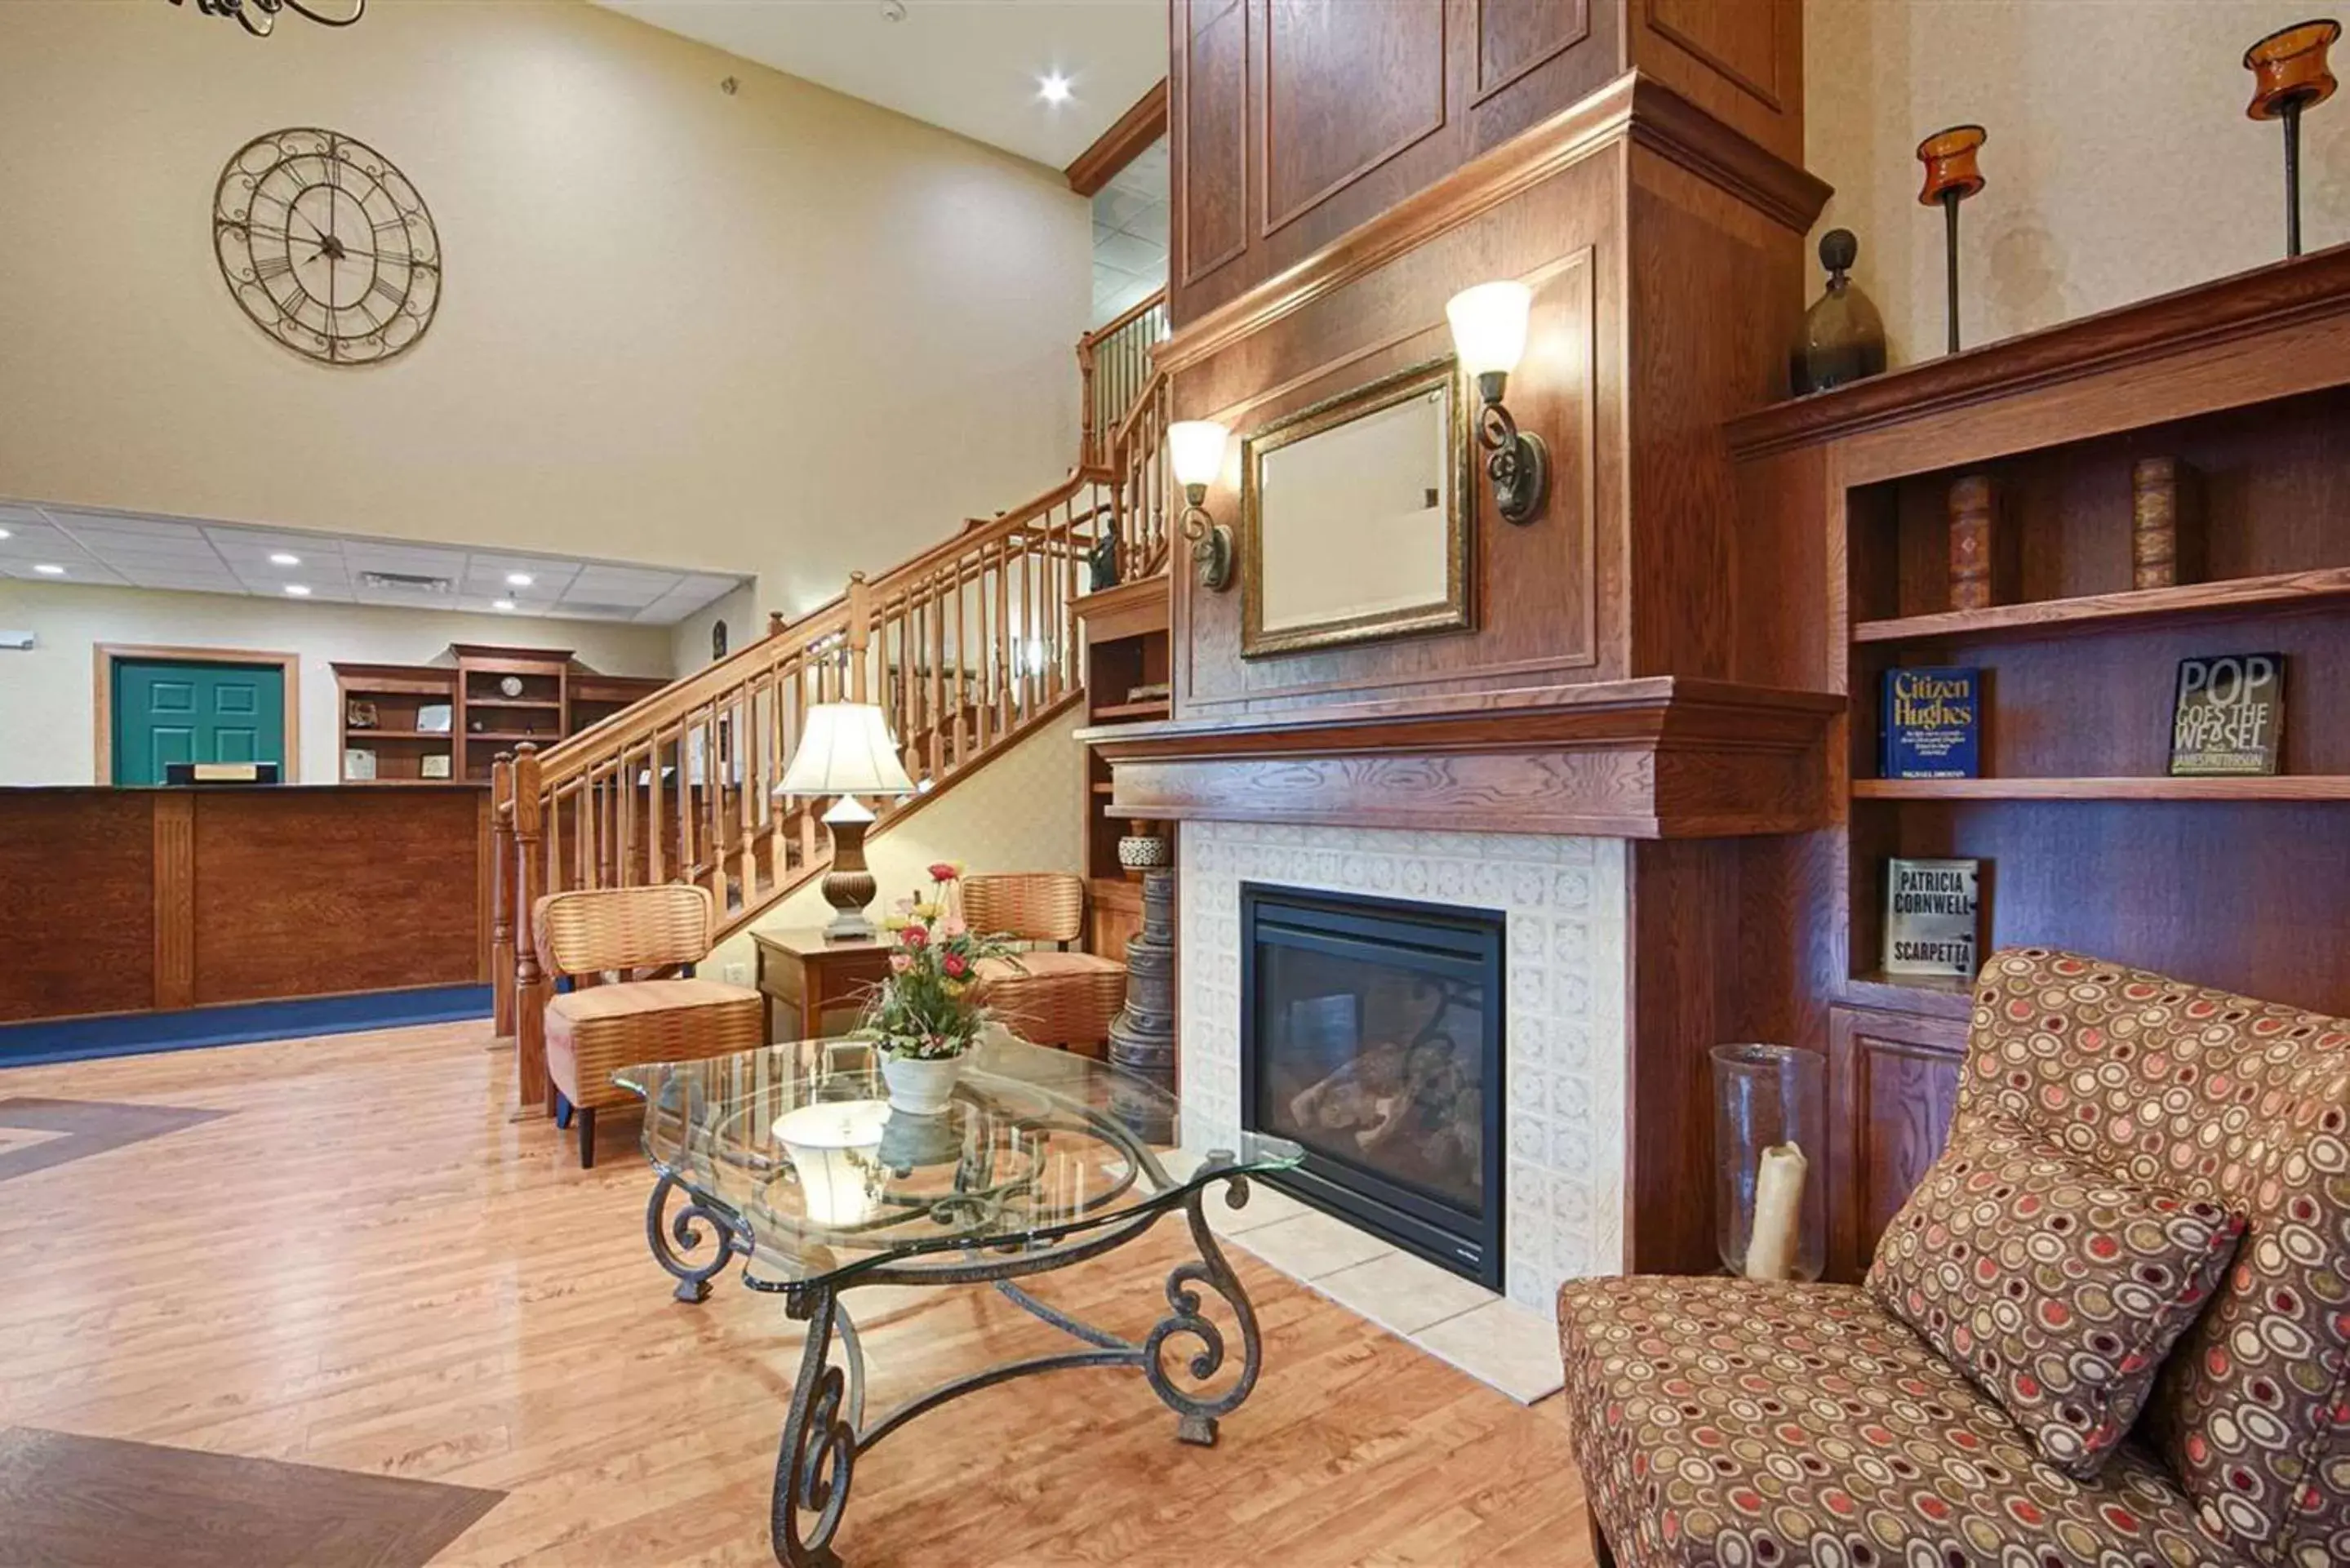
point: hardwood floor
(365, 1265)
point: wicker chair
(1052, 996)
(646, 937)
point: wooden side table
(806, 975)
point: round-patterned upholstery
(1725, 1423)
(1772, 1425)
(2057, 1290)
(2244, 1103)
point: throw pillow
(2056, 1289)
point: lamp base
(848, 887)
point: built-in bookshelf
(447, 721)
(2084, 838)
(1126, 630)
(2087, 841)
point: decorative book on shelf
(2228, 715)
(1932, 725)
(1933, 910)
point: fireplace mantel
(1659, 757)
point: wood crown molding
(1658, 757)
(1121, 144)
(2282, 294)
(1633, 106)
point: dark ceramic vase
(1843, 337)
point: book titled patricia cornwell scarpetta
(1932, 911)
(1933, 723)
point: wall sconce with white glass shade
(1489, 334)
(1195, 451)
(835, 1149)
(847, 749)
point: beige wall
(48, 696)
(781, 332)
(1024, 811)
(2119, 162)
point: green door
(166, 712)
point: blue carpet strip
(241, 1023)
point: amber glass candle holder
(1951, 176)
(2290, 73)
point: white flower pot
(921, 1086)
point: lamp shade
(845, 750)
(1195, 450)
(1489, 325)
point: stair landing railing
(967, 647)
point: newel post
(502, 896)
(860, 631)
(1088, 438)
(532, 986)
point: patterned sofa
(1719, 1421)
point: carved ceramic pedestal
(1142, 1036)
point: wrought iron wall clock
(326, 246)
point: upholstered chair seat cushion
(1723, 1423)
(1056, 998)
(2055, 1288)
(596, 1031)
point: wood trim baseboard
(1144, 122)
(103, 656)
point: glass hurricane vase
(1770, 1126)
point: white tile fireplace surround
(1564, 903)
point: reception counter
(125, 901)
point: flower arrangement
(924, 1010)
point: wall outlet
(736, 973)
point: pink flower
(900, 962)
(955, 964)
(913, 936)
(953, 925)
(942, 871)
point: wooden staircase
(968, 648)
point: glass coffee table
(790, 1160)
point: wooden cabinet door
(1893, 1080)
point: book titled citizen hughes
(1932, 724)
(2228, 714)
(1931, 914)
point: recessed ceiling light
(284, 558)
(519, 579)
(5, 534)
(48, 571)
(1054, 88)
(298, 590)
(501, 603)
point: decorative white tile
(1402, 1293)
(1506, 1345)
(1309, 1245)
(1564, 903)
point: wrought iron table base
(825, 1432)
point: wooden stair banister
(968, 647)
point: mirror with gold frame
(1355, 516)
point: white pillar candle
(1778, 1212)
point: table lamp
(847, 749)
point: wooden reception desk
(125, 901)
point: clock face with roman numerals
(326, 246)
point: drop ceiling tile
(1132, 254)
(119, 522)
(189, 555)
